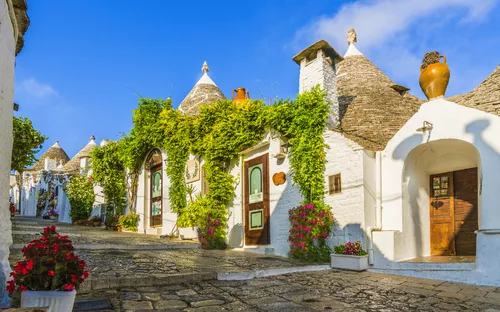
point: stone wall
(7, 59)
(320, 71)
(346, 157)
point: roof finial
(205, 68)
(351, 36)
(92, 138)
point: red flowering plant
(12, 209)
(350, 248)
(50, 263)
(311, 225)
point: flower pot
(348, 262)
(188, 233)
(97, 223)
(434, 79)
(52, 217)
(56, 301)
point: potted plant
(50, 214)
(96, 220)
(12, 209)
(111, 222)
(350, 256)
(50, 273)
(129, 222)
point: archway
(441, 198)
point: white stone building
(13, 24)
(386, 146)
(49, 175)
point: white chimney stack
(317, 67)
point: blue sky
(85, 61)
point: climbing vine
(217, 134)
(109, 172)
(80, 190)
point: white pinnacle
(205, 79)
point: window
(334, 184)
(255, 184)
(440, 186)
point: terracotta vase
(434, 79)
(241, 95)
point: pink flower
(51, 273)
(22, 288)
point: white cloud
(36, 89)
(379, 20)
(395, 34)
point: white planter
(56, 301)
(348, 262)
(188, 233)
(52, 217)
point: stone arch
(426, 160)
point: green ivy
(109, 172)
(218, 133)
(80, 190)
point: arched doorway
(155, 167)
(441, 198)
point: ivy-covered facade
(227, 172)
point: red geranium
(44, 268)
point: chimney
(317, 67)
(84, 162)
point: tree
(27, 143)
(109, 172)
(80, 190)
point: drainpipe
(378, 205)
(242, 200)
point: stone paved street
(185, 279)
(314, 291)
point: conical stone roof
(485, 97)
(56, 153)
(372, 107)
(73, 166)
(205, 91)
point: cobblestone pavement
(185, 280)
(313, 291)
(25, 229)
(111, 266)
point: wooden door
(466, 219)
(156, 191)
(257, 228)
(454, 213)
(442, 213)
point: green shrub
(129, 221)
(80, 190)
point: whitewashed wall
(281, 198)
(346, 157)
(142, 204)
(450, 122)
(7, 60)
(321, 72)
